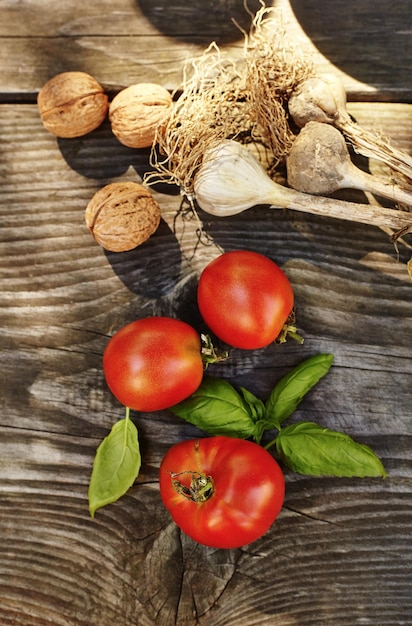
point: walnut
(138, 111)
(122, 215)
(72, 104)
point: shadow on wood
(209, 20)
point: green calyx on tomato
(245, 299)
(200, 488)
(209, 352)
(155, 362)
(232, 497)
(289, 331)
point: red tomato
(153, 363)
(245, 299)
(222, 492)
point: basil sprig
(307, 448)
(116, 465)
(219, 408)
(290, 390)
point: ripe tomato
(153, 363)
(222, 492)
(244, 298)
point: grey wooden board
(339, 553)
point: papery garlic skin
(319, 99)
(323, 99)
(232, 180)
(319, 163)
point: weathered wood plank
(340, 551)
(131, 564)
(126, 41)
(49, 183)
(128, 17)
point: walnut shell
(137, 112)
(72, 104)
(122, 215)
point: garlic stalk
(231, 180)
(319, 163)
(323, 99)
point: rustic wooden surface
(340, 552)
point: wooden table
(340, 552)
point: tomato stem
(270, 444)
(289, 330)
(209, 353)
(200, 489)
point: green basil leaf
(116, 465)
(255, 405)
(218, 409)
(307, 448)
(290, 390)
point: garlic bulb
(323, 99)
(319, 99)
(319, 163)
(231, 180)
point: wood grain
(150, 41)
(61, 298)
(340, 552)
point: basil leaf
(218, 409)
(290, 390)
(307, 448)
(255, 405)
(116, 465)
